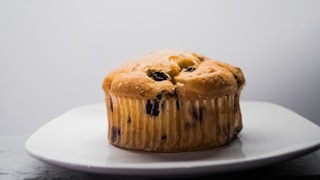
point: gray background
(55, 54)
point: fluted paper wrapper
(172, 125)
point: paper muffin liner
(172, 125)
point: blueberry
(158, 76)
(152, 107)
(196, 113)
(237, 79)
(163, 137)
(115, 133)
(189, 69)
(159, 96)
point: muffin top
(166, 74)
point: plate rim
(248, 163)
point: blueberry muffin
(169, 101)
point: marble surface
(15, 163)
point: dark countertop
(15, 163)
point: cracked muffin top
(170, 74)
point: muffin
(172, 101)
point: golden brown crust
(186, 76)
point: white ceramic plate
(78, 140)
